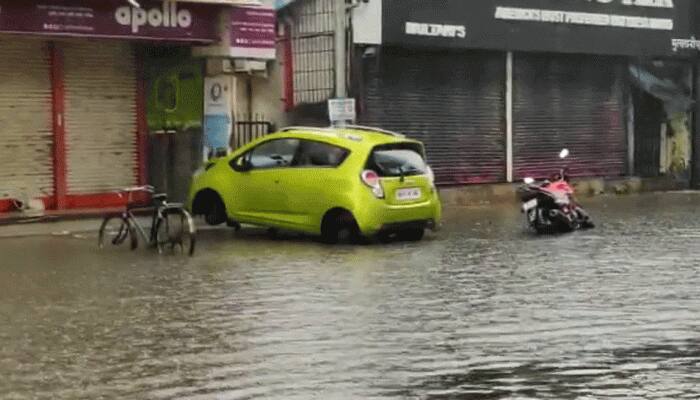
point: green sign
(175, 90)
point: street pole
(509, 116)
(340, 51)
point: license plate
(408, 194)
(530, 205)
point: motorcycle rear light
(371, 179)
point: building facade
(496, 88)
(77, 83)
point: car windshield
(398, 160)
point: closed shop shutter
(649, 115)
(573, 102)
(101, 120)
(453, 102)
(26, 135)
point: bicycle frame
(160, 210)
(155, 215)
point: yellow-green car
(339, 183)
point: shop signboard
(158, 20)
(253, 32)
(621, 27)
(218, 119)
(341, 111)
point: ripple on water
(481, 311)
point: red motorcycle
(550, 206)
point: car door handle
(277, 181)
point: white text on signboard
(583, 18)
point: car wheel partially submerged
(411, 235)
(340, 227)
(209, 204)
(216, 212)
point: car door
(259, 197)
(312, 184)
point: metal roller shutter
(649, 114)
(453, 102)
(101, 120)
(26, 134)
(572, 102)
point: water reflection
(480, 311)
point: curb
(476, 195)
(471, 195)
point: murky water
(479, 311)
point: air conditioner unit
(219, 66)
(249, 66)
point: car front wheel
(215, 213)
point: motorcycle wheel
(541, 224)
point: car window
(273, 154)
(397, 160)
(317, 154)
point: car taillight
(371, 179)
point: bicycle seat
(160, 197)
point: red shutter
(101, 118)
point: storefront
(569, 101)
(496, 88)
(72, 101)
(452, 101)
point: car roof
(351, 136)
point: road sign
(341, 110)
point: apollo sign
(169, 16)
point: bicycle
(171, 224)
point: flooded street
(480, 310)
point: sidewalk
(49, 227)
(473, 195)
(71, 222)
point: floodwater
(481, 310)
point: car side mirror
(241, 164)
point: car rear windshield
(402, 159)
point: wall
(175, 95)
(268, 93)
(260, 96)
(367, 23)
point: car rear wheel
(411, 235)
(340, 227)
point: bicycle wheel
(175, 229)
(115, 230)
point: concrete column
(695, 146)
(630, 135)
(340, 50)
(509, 116)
